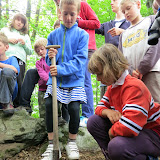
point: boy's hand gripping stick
(55, 108)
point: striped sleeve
(136, 104)
(104, 103)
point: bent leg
(135, 148)
(98, 128)
(7, 85)
(30, 80)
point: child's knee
(116, 148)
(8, 73)
(91, 123)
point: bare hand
(13, 41)
(52, 52)
(115, 31)
(110, 134)
(21, 41)
(137, 74)
(53, 70)
(113, 116)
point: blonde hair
(56, 23)
(71, 2)
(24, 20)
(40, 42)
(123, 1)
(3, 38)
(109, 61)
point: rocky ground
(32, 153)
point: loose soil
(32, 153)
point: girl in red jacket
(126, 124)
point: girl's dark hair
(24, 20)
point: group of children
(126, 119)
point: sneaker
(48, 154)
(152, 158)
(83, 121)
(28, 109)
(8, 109)
(72, 150)
(61, 121)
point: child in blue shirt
(9, 70)
(69, 70)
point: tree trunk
(0, 9)
(149, 3)
(36, 19)
(28, 11)
(7, 9)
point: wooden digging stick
(55, 109)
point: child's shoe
(48, 154)
(72, 150)
(8, 109)
(83, 121)
(152, 158)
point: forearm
(2, 65)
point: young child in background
(9, 70)
(112, 30)
(88, 21)
(144, 61)
(43, 72)
(30, 80)
(19, 46)
(126, 124)
(69, 70)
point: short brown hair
(71, 2)
(3, 38)
(23, 18)
(40, 42)
(109, 61)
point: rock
(18, 132)
(21, 131)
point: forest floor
(32, 153)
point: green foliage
(47, 18)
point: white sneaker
(83, 121)
(48, 154)
(72, 150)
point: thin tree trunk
(149, 3)
(28, 11)
(7, 9)
(36, 19)
(0, 9)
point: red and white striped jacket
(136, 104)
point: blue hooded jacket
(71, 57)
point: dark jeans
(123, 148)
(73, 110)
(19, 81)
(30, 80)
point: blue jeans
(30, 80)
(123, 148)
(8, 80)
(88, 109)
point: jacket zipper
(63, 52)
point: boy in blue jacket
(69, 70)
(9, 70)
